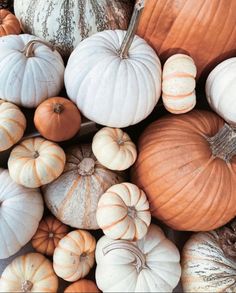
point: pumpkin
(203, 29)
(180, 158)
(48, 234)
(208, 261)
(21, 209)
(35, 162)
(12, 125)
(74, 256)
(123, 212)
(114, 149)
(114, 77)
(31, 272)
(86, 286)
(66, 23)
(178, 86)
(221, 90)
(74, 196)
(147, 265)
(57, 119)
(9, 24)
(30, 70)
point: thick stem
(58, 108)
(86, 167)
(129, 37)
(28, 50)
(26, 286)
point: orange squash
(9, 24)
(84, 285)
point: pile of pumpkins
(182, 171)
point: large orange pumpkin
(187, 168)
(205, 29)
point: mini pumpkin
(114, 149)
(35, 162)
(48, 234)
(74, 255)
(12, 125)
(86, 286)
(9, 24)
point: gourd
(31, 272)
(178, 86)
(221, 90)
(148, 265)
(114, 77)
(123, 212)
(9, 24)
(66, 23)
(57, 119)
(48, 234)
(114, 148)
(12, 125)
(36, 162)
(74, 256)
(203, 29)
(208, 261)
(30, 70)
(86, 286)
(21, 210)
(74, 196)
(179, 159)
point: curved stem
(28, 50)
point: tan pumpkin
(86, 286)
(74, 255)
(31, 272)
(48, 234)
(12, 125)
(35, 162)
(9, 24)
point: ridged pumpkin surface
(84, 285)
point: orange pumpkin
(204, 29)
(9, 24)
(187, 168)
(57, 119)
(84, 285)
(49, 233)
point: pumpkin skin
(57, 119)
(9, 24)
(48, 234)
(30, 76)
(66, 23)
(114, 149)
(12, 125)
(125, 90)
(148, 265)
(207, 33)
(221, 90)
(74, 196)
(36, 162)
(123, 212)
(31, 272)
(74, 256)
(86, 286)
(21, 209)
(177, 169)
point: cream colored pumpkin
(31, 272)
(74, 196)
(178, 86)
(221, 90)
(12, 125)
(30, 71)
(35, 162)
(148, 265)
(74, 255)
(114, 149)
(123, 212)
(20, 212)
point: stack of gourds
(108, 56)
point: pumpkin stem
(28, 50)
(26, 286)
(58, 108)
(36, 154)
(140, 262)
(223, 144)
(129, 37)
(86, 167)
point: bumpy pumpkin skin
(86, 286)
(9, 24)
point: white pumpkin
(123, 212)
(221, 90)
(12, 125)
(114, 149)
(21, 210)
(30, 71)
(148, 265)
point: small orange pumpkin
(82, 286)
(9, 24)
